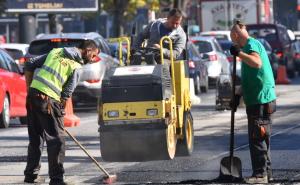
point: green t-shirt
(257, 84)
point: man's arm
(252, 59)
(71, 84)
(145, 34)
(178, 46)
(31, 65)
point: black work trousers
(45, 123)
(259, 132)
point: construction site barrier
(282, 75)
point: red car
(12, 91)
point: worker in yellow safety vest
(51, 80)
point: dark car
(226, 44)
(278, 37)
(197, 69)
(272, 56)
(296, 54)
(89, 89)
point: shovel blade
(230, 172)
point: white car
(213, 56)
(219, 35)
(16, 50)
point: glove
(235, 50)
(236, 102)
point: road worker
(258, 91)
(169, 26)
(50, 80)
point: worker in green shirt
(258, 91)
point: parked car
(16, 51)
(296, 54)
(297, 35)
(274, 60)
(214, 57)
(219, 35)
(226, 44)
(89, 89)
(278, 37)
(12, 91)
(197, 69)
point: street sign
(54, 6)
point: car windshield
(40, 47)
(267, 33)
(203, 46)
(225, 45)
(15, 54)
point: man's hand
(236, 102)
(63, 103)
(28, 78)
(156, 46)
(235, 50)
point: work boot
(257, 180)
(33, 179)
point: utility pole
(27, 28)
(228, 22)
(52, 23)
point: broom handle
(86, 152)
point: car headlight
(152, 112)
(113, 114)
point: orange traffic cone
(281, 75)
(70, 119)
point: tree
(124, 10)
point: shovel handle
(232, 110)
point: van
(280, 41)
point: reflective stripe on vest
(51, 77)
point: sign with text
(44, 6)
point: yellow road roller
(145, 110)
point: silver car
(89, 89)
(214, 57)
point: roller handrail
(171, 59)
(120, 40)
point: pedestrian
(258, 91)
(51, 80)
(169, 26)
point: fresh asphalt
(211, 144)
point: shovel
(231, 166)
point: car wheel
(4, 115)
(197, 84)
(205, 87)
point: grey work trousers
(259, 132)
